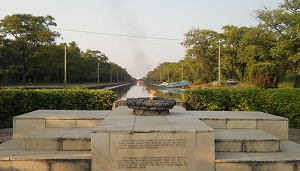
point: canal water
(130, 91)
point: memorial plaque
(153, 151)
(174, 142)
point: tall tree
(201, 47)
(232, 36)
(254, 47)
(28, 33)
(285, 23)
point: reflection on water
(129, 91)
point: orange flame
(152, 92)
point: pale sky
(146, 18)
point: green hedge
(280, 102)
(14, 102)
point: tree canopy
(29, 53)
(274, 41)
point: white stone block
(205, 151)
(233, 123)
(276, 128)
(78, 165)
(61, 123)
(100, 151)
(30, 166)
(234, 166)
(214, 123)
(229, 146)
(5, 165)
(87, 123)
(77, 144)
(43, 144)
(275, 166)
(261, 146)
(23, 127)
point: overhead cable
(120, 35)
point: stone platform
(48, 140)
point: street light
(65, 66)
(98, 69)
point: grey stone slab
(8, 154)
(274, 157)
(254, 134)
(291, 149)
(33, 154)
(121, 111)
(93, 114)
(51, 114)
(87, 123)
(241, 166)
(226, 134)
(119, 122)
(12, 144)
(10, 148)
(178, 110)
(48, 133)
(72, 155)
(187, 122)
(73, 165)
(78, 133)
(37, 114)
(151, 123)
(30, 165)
(251, 115)
(233, 157)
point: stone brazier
(152, 106)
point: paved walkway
(7, 133)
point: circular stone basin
(144, 106)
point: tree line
(29, 54)
(261, 55)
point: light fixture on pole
(98, 70)
(219, 73)
(65, 67)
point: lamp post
(110, 76)
(98, 70)
(219, 62)
(65, 67)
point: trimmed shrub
(264, 75)
(14, 102)
(280, 102)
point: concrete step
(26, 123)
(288, 159)
(245, 140)
(67, 139)
(275, 125)
(13, 157)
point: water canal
(133, 90)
